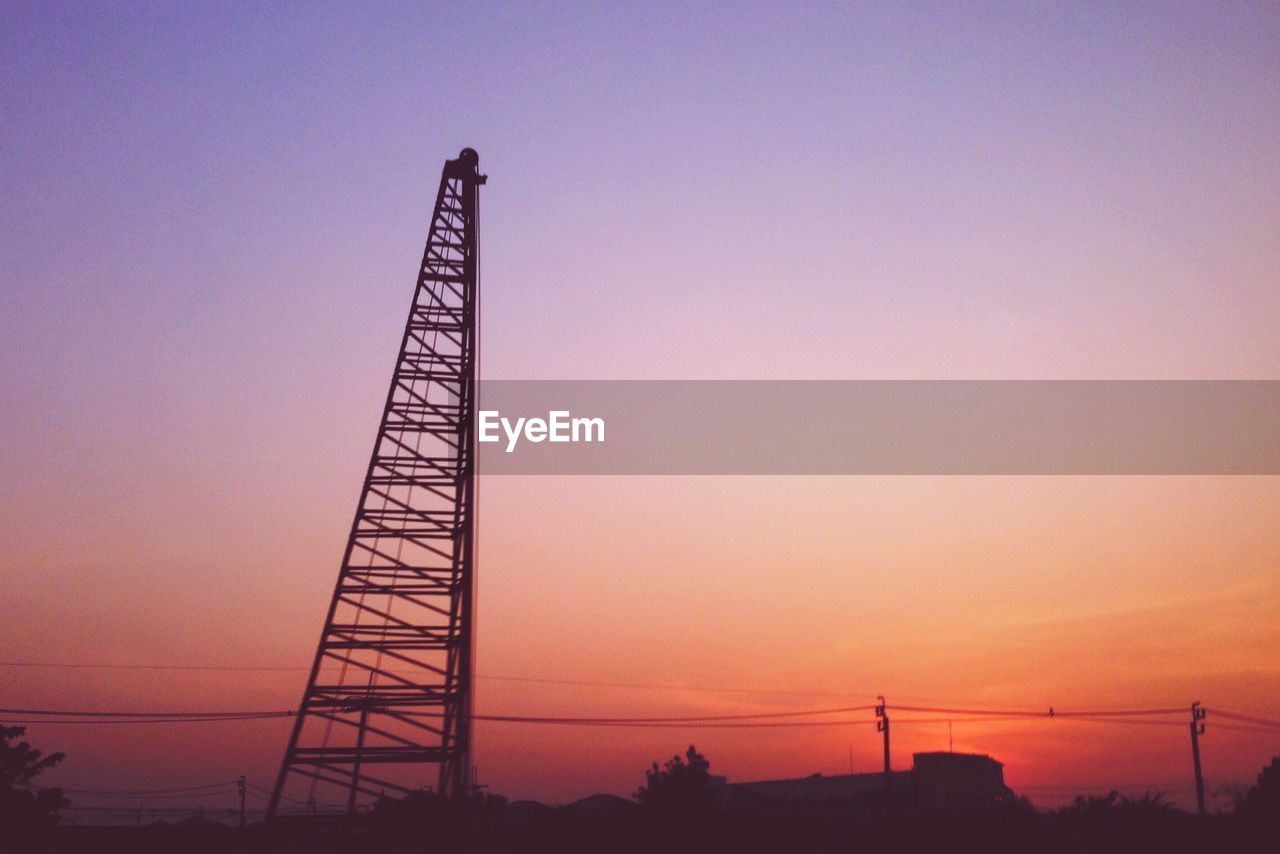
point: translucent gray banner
(858, 427)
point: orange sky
(1076, 592)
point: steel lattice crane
(389, 697)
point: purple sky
(689, 190)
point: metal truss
(388, 700)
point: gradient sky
(210, 223)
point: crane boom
(388, 698)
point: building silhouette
(940, 782)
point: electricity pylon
(388, 700)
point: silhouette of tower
(389, 693)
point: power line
(209, 790)
(114, 666)
(265, 793)
(144, 719)
(760, 719)
(537, 680)
(176, 715)
(1238, 728)
(677, 724)
(1045, 713)
(587, 683)
(67, 716)
(1236, 716)
(157, 810)
(696, 719)
(133, 792)
(1120, 720)
(150, 720)
(213, 794)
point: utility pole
(882, 726)
(240, 785)
(1197, 730)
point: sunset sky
(210, 226)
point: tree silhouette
(1261, 804)
(25, 811)
(681, 787)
